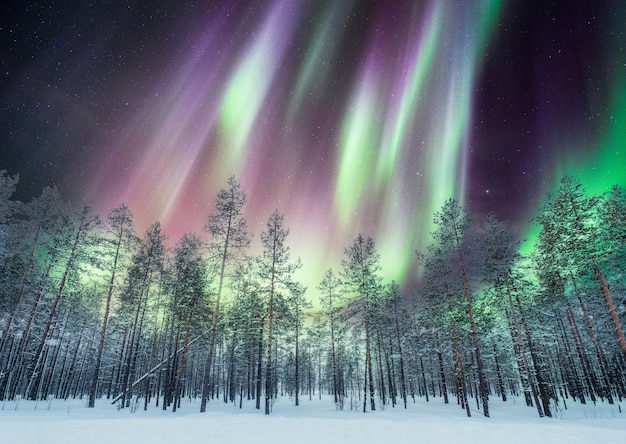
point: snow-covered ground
(314, 421)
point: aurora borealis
(348, 116)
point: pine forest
(91, 309)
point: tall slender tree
(189, 290)
(144, 273)
(297, 306)
(361, 275)
(275, 272)
(229, 238)
(331, 295)
(394, 300)
(118, 243)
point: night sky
(348, 116)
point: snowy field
(315, 421)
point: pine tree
(569, 217)
(119, 240)
(297, 306)
(331, 298)
(248, 311)
(453, 223)
(394, 300)
(275, 272)
(229, 238)
(189, 283)
(144, 272)
(79, 229)
(360, 274)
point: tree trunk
(259, 368)
(543, 389)
(268, 363)
(484, 394)
(571, 369)
(460, 373)
(499, 373)
(381, 379)
(544, 408)
(402, 378)
(368, 364)
(582, 355)
(297, 370)
(214, 320)
(127, 375)
(231, 370)
(334, 359)
(424, 378)
(391, 377)
(619, 332)
(442, 375)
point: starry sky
(348, 116)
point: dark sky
(348, 116)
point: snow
(314, 421)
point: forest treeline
(90, 309)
